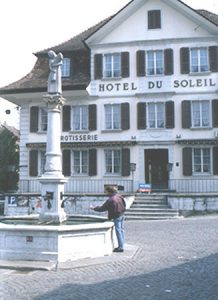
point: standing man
(115, 205)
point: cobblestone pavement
(175, 260)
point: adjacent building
(141, 105)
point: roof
(77, 42)
(213, 18)
(36, 80)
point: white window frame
(201, 161)
(112, 161)
(112, 116)
(112, 65)
(82, 166)
(66, 67)
(80, 118)
(43, 119)
(154, 62)
(42, 161)
(200, 114)
(199, 60)
(156, 115)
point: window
(155, 62)
(197, 114)
(199, 60)
(37, 160)
(65, 68)
(154, 19)
(156, 115)
(112, 116)
(80, 162)
(201, 160)
(113, 161)
(38, 119)
(43, 119)
(80, 117)
(112, 65)
(42, 161)
(200, 114)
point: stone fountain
(50, 237)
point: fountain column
(52, 181)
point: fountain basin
(27, 239)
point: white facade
(158, 148)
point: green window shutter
(125, 64)
(215, 112)
(92, 117)
(92, 162)
(98, 65)
(33, 163)
(187, 161)
(66, 162)
(184, 60)
(66, 118)
(34, 118)
(170, 116)
(213, 58)
(168, 61)
(125, 162)
(125, 116)
(154, 19)
(215, 161)
(140, 57)
(186, 114)
(141, 115)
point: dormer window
(66, 67)
(154, 19)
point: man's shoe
(118, 250)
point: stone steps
(150, 207)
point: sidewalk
(129, 253)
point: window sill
(157, 129)
(111, 130)
(200, 128)
(112, 175)
(200, 73)
(79, 175)
(79, 131)
(201, 174)
(111, 78)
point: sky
(29, 26)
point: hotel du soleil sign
(145, 86)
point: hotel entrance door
(156, 172)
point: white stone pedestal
(51, 191)
(52, 181)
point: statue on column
(54, 78)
